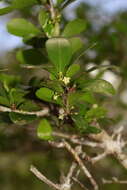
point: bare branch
(114, 180)
(40, 113)
(40, 176)
(82, 166)
(81, 185)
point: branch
(114, 180)
(40, 176)
(112, 146)
(77, 140)
(82, 166)
(52, 10)
(40, 113)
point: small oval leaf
(74, 27)
(22, 27)
(44, 130)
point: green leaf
(29, 105)
(45, 94)
(80, 123)
(6, 10)
(74, 27)
(95, 113)
(78, 97)
(100, 86)
(46, 23)
(48, 95)
(4, 101)
(22, 27)
(59, 52)
(44, 130)
(20, 4)
(16, 96)
(9, 80)
(92, 129)
(21, 119)
(30, 56)
(72, 70)
(76, 44)
(54, 85)
(43, 18)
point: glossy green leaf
(21, 119)
(72, 70)
(100, 86)
(59, 52)
(20, 4)
(76, 44)
(22, 27)
(48, 95)
(44, 130)
(78, 97)
(6, 10)
(30, 56)
(45, 94)
(74, 27)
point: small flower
(66, 80)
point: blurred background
(19, 147)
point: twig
(40, 113)
(68, 180)
(40, 176)
(52, 10)
(77, 140)
(81, 185)
(99, 157)
(82, 166)
(114, 180)
(112, 146)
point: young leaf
(44, 130)
(76, 44)
(30, 56)
(59, 52)
(45, 22)
(72, 70)
(16, 96)
(43, 18)
(22, 27)
(100, 86)
(74, 27)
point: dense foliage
(61, 94)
